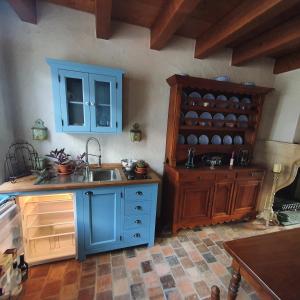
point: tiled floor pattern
(182, 267)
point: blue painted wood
(95, 127)
(102, 218)
(112, 75)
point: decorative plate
(218, 116)
(221, 98)
(195, 95)
(193, 115)
(203, 139)
(192, 139)
(206, 115)
(243, 119)
(227, 140)
(181, 139)
(216, 140)
(230, 117)
(246, 100)
(238, 140)
(209, 96)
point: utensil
(216, 140)
(192, 139)
(203, 139)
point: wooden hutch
(203, 196)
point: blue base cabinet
(111, 218)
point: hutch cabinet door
(102, 218)
(245, 196)
(74, 101)
(222, 198)
(195, 201)
(103, 103)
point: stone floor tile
(167, 250)
(215, 250)
(167, 281)
(70, 277)
(104, 258)
(103, 269)
(220, 244)
(104, 283)
(180, 252)
(86, 294)
(34, 285)
(202, 289)
(193, 273)
(202, 266)
(208, 242)
(254, 297)
(120, 287)
(178, 271)
(202, 234)
(224, 260)
(151, 280)
(117, 261)
(135, 276)
(107, 295)
(87, 280)
(39, 271)
(192, 297)
(172, 260)
(248, 289)
(182, 238)
(186, 263)
(157, 258)
(122, 297)
(195, 256)
(56, 271)
(51, 288)
(209, 257)
(172, 294)
(214, 236)
(130, 253)
(202, 248)
(132, 263)
(146, 266)
(119, 273)
(185, 286)
(155, 293)
(162, 269)
(69, 292)
(138, 291)
(175, 243)
(188, 246)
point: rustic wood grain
(103, 18)
(287, 63)
(25, 9)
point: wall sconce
(39, 131)
(135, 133)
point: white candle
(277, 168)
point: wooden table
(269, 262)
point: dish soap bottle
(231, 163)
(23, 267)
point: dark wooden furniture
(270, 263)
(202, 196)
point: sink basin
(104, 175)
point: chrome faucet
(87, 154)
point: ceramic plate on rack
(216, 140)
(219, 117)
(203, 139)
(193, 115)
(227, 140)
(209, 96)
(230, 117)
(192, 139)
(181, 139)
(243, 119)
(205, 115)
(221, 98)
(195, 95)
(238, 140)
(246, 100)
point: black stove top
(131, 175)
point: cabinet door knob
(87, 103)
(138, 222)
(138, 207)
(93, 103)
(139, 193)
(137, 235)
(89, 193)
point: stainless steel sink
(104, 175)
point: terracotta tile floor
(182, 267)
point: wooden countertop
(26, 184)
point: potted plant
(141, 167)
(62, 160)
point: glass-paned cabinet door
(74, 94)
(103, 103)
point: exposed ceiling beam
(287, 63)
(25, 9)
(103, 18)
(170, 19)
(244, 18)
(284, 36)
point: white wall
(68, 34)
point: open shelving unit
(181, 103)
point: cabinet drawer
(225, 175)
(136, 221)
(255, 174)
(196, 176)
(142, 192)
(138, 235)
(137, 207)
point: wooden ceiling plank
(286, 35)
(287, 63)
(103, 10)
(244, 18)
(169, 20)
(25, 9)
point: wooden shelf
(219, 129)
(219, 110)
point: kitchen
(27, 83)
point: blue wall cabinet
(87, 98)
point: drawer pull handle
(137, 235)
(138, 207)
(138, 222)
(139, 193)
(89, 193)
